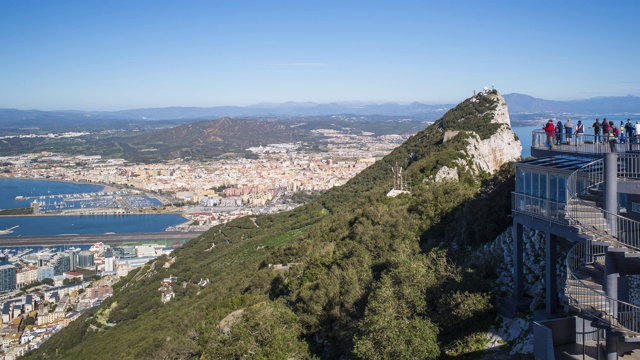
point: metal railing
(585, 143)
(629, 166)
(590, 219)
(582, 294)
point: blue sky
(112, 55)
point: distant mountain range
(32, 117)
(518, 104)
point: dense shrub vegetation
(368, 276)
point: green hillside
(368, 276)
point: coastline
(105, 187)
(19, 189)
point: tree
(267, 330)
(395, 325)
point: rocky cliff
(503, 146)
(484, 154)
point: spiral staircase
(609, 248)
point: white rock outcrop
(490, 154)
(448, 135)
(446, 174)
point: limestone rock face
(489, 154)
(446, 173)
(448, 135)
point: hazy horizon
(302, 103)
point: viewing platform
(583, 144)
(583, 193)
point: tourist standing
(559, 131)
(628, 128)
(549, 130)
(606, 129)
(579, 132)
(568, 130)
(596, 131)
(612, 136)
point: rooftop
(564, 162)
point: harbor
(114, 202)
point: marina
(18, 193)
(121, 201)
(70, 208)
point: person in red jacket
(550, 130)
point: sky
(116, 55)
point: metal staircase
(602, 232)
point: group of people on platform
(559, 134)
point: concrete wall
(550, 333)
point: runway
(90, 239)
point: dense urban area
(45, 289)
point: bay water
(76, 224)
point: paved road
(90, 239)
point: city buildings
(7, 277)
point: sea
(524, 133)
(76, 224)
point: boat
(8, 231)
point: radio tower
(398, 183)
(397, 177)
